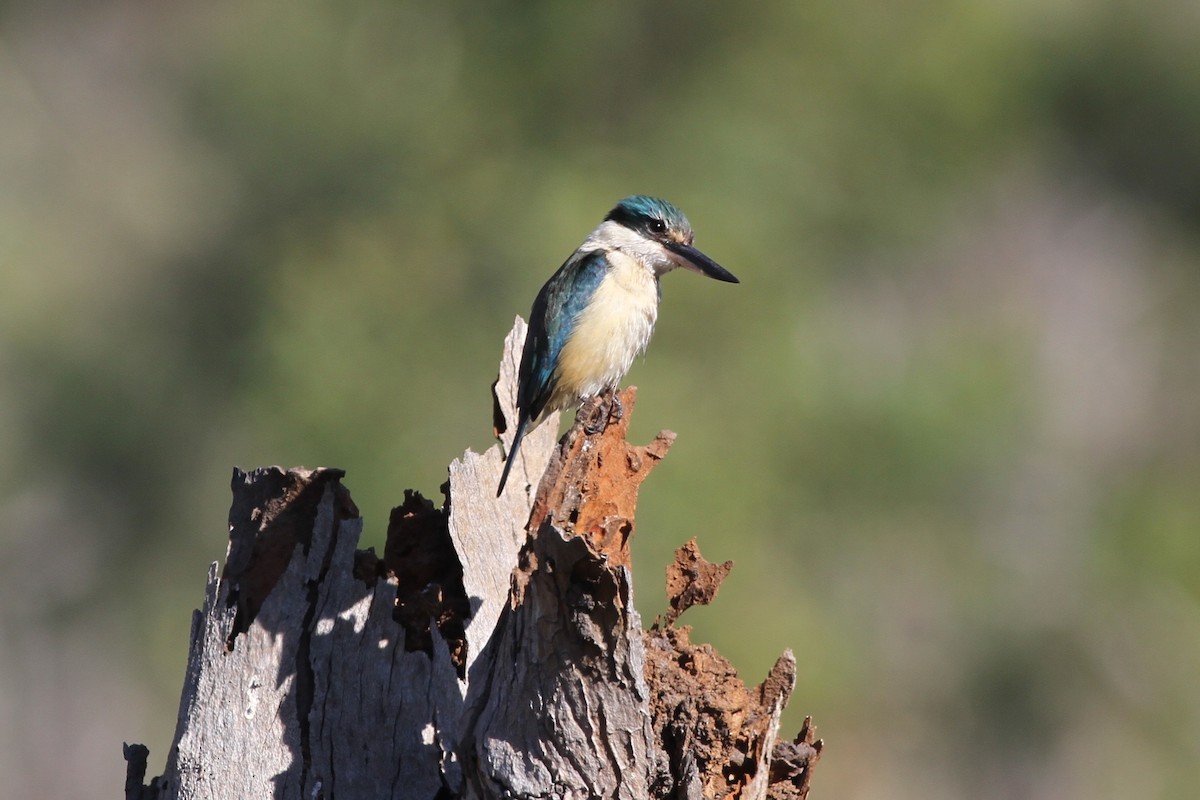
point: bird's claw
(594, 415)
(616, 411)
(598, 411)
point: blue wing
(554, 314)
(555, 311)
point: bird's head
(664, 234)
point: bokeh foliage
(946, 427)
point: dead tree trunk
(493, 651)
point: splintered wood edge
(489, 531)
(774, 693)
(504, 390)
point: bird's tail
(512, 452)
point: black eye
(658, 226)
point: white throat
(610, 235)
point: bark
(492, 651)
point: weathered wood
(565, 712)
(493, 651)
(792, 763)
(488, 531)
(719, 734)
(316, 696)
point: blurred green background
(946, 427)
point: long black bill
(693, 259)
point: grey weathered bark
(494, 651)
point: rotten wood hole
(492, 651)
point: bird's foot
(597, 412)
(594, 415)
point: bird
(597, 312)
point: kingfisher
(596, 314)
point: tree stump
(494, 651)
